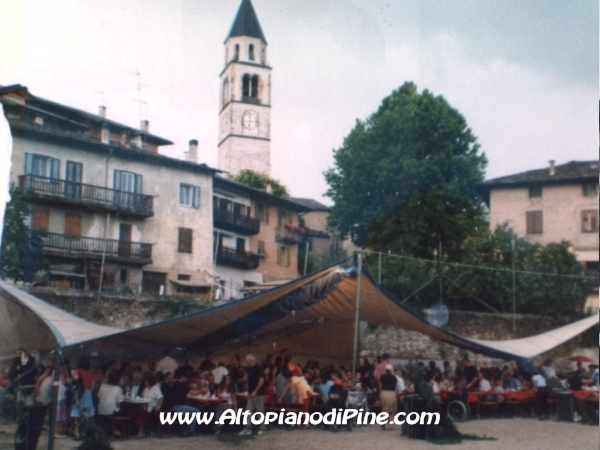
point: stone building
(245, 115)
(109, 205)
(256, 236)
(556, 203)
(322, 241)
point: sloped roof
(568, 173)
(74, 114)
(246, 23)
(312, 204)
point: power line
(485, 267)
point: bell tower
(245, 114)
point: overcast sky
(523, 73)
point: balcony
(288, 234)
(68, 192)
(226, 220)
(237, 258)
(77, 247)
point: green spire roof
(246, 23)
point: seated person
(226, 395)
(110, 396)
(484, 382)
(575, 381)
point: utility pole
(514, 302)
(356, 320)
(379, 278)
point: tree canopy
(413, 166)
(548, 278)
(260, 181)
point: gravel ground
(511, 434)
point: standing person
(207, 363)
(219, 372)
(541, 393)
(227, 399)
(84, 379)
(389, 402)
(380, 369)
(300, 387)
(471, 375)
(166, 364)
(256, 392)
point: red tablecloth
(584, 394)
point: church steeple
(245, 115)
(246, 23)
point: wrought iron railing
(96, 246)
(237, 258)
(236, 223)
(98, 196)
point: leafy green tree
(260, 181)
(482, 279)
(20, 251)
(404, 179)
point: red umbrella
(581, 358)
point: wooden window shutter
(196, 197)
(40, 219)
(73, 224)
(534, 222)
(185, 240)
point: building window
(182, 277)
(590, 189)
(42, 166)
(589, 221)
(283, 256)
(251, 52)
(263, 213)
(240, 245)
(225, 94)
(535, 224)
(535, 191)
(189, 195)
(284, 218)
(261, 248)
(123, 276)
(40, 219)
(250, 86)
(236, 52)
(184, 244)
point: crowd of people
(141, 391)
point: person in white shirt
(152, 393)
(167, 364)
(541, 393)
(110, 396)
(219, 372)
(484, 383)
(400, 386)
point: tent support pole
(356, 321)
(54, 404)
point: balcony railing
(78, 246)
(87, 195)
(226, 220)
(286, 236)
(237, 258)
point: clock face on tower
(250, 122)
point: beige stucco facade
(161, 230)
(561, 207)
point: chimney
(102, 111)
(192, 153)
(552, 168)
(145, 126)
(269, 188)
